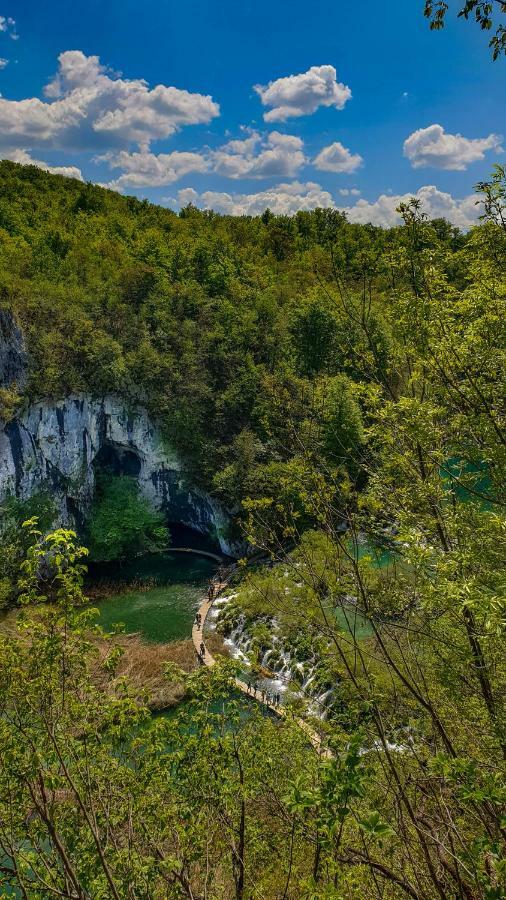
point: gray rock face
(54, 445)
(13, 356)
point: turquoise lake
(164, 609)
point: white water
(277, 659)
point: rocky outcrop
(58, 445)
(13, 355)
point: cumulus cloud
(284, 199)
(287, 199)
(433, 146)
(88, 106)
(3, 62)
(24, 158)
(278, 155)
(436, 204)
(145, 169)
(301, 95)
(275, 155)
(336, 158)
(347, 192)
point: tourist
(202, 648)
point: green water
(165, 609)
(380, 557)
(350, 620)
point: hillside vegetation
(218, 324)
(342, 388)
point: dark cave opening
(114, 459)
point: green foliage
(9, 402)
(210, 321)
(483, 12)
(328, 377)
(341, 421)
(15, 539)
(427, 685)
(313, 331)
(123, 524)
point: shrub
(122, 523)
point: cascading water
(288, 674)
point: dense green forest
(220, 325)
(330, 383)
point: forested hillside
(220, 325)
(342, 389)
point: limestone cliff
(59, 444)
(13, 356)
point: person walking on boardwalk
(202, 649)
(210, 592)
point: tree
(122, 523)
(484, 13)
(97, 800)
(15, 540)
(427, 689)
(340, 420)
(313, 334)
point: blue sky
(243, 105)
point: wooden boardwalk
(207, 659)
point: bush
(122, 523)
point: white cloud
(287, 199)
(346, 192)
(145, 169)
(3, 62)
(301, 95)
(336, 158)
(284, 199)
(88, 106)
(435, 203)
(275, 155)
(432, 146)
(23, 157)
(278, 155)
(8, 25)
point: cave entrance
(114, 459)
